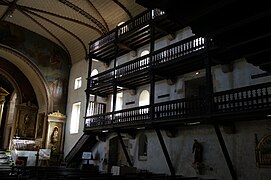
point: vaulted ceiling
(74, 24)
(238, 29)
(70, 24)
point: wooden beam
(171, 35)
(225, 151)
(124, 149)
(124, 46)
(164, 148)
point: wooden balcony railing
(190, 46)
(246, 99)
(98, 120)
(182, 48)
(176, 109)
(133, 66)
(132, 116)
(243, 99)
(95, 108)
(110, 37)
(101, 78)
(137, 22)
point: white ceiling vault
(72, 24)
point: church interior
(138, 89)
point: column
(3, 94)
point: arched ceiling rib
(123, 7)
(70, 24)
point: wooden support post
(124, 149)
(164, 148)
(209, 80)
(88, 82)
(225, 151)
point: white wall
(241, 144)
(240, 76)
(241, 148)
(79, 69)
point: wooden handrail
(249, 98)
(138, 21)
(189, 46)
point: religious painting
(55, 138)
(263, 151)
(40, 125)
(26, 125)
(51, 59)
(26, 121)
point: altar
(29, 157)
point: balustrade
(137, 22)
(245, 99)
(163, 56)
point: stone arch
(33, 74)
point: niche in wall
(263, 151)
(142, 147)
(55, 134)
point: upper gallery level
(165, 63)
(130, 35)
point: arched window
(142, 147)
(144, 98)
(144, 63)
(145, 52)
(91, 106)
(119, 101)
(94, 79)
(122, 29)
(94, 72)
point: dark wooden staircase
(85, 143)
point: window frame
(77, 83)
(75, 118)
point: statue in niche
(54, 139)
(26, 121)
(26, 124)
(54, 135)
(197, 150)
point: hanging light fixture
(10, 13)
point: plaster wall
(241, 144)
(240, 76)
(241, 148)
(79, 69)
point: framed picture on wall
(26, 119)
